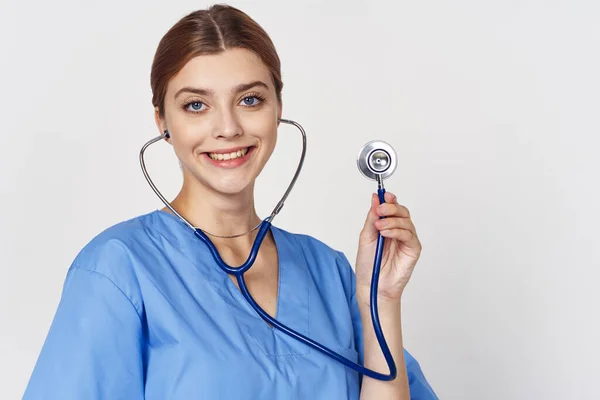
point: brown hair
(210, 31)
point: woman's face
(222, 113)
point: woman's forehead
(221, 72)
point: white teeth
(228, 156)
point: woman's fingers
(396, 223)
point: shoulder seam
(78, 267)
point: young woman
(145, 311)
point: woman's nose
(227, 125)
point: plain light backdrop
(492, 106)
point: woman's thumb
(369, 232)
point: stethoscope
(377, 160)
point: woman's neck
(217, 213)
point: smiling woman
(213, 107)
(147, 314)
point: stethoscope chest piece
(377, 158)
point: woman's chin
(231, 188)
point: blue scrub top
(146, 313)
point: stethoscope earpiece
(167, 134)
(377, 159)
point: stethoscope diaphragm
(377, 158)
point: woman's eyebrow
(245, 86)
(207, 92)
(189, 89)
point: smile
(229, 156)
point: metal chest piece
(377, 160)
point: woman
(146, 313)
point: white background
(492, 106)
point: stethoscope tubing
(264, 228)
(238, 272)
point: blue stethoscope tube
(379, 172)
(238, 272)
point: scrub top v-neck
(146, 313)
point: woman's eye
(251, 101)
(194, 106)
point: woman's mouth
(229, 158)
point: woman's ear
(161, 124)
(279, 112)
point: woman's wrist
(363, 296)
